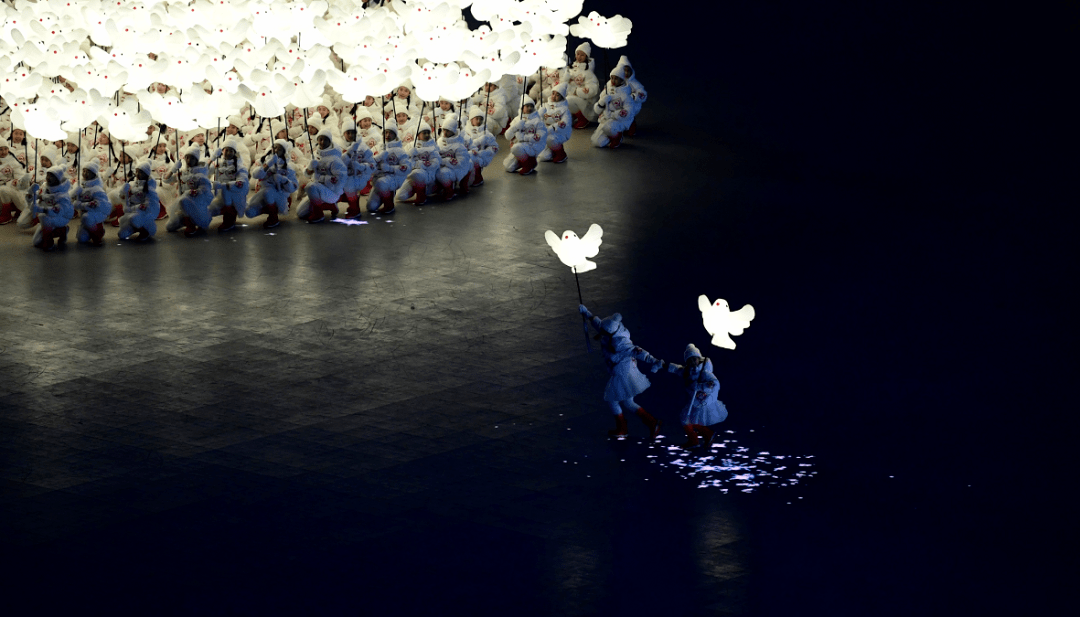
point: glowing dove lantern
(721, 322)
(129, 126)
(39, 122)
(574, 251)
(608, 33)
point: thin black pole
(310, 145)
(382, 110)
(153, 154)
(78, 170)
(486, 103)
(419, 121)
(584, 329)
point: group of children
(703, 408)
(394, 148)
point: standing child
(637, 92)
(91, 199)
(703, 409)
(141, 204)
(482, 144)
(626, 382)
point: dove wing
(703, 303)
(721, 339)
(740, 319)
(591, 241)
(552, 240)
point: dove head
(722, 304)
(569, 234)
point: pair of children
(622, 357)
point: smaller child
(703, 409)
(426, 162)
(141, 204)
(616, 109)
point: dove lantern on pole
(723, 323)
(575, 252)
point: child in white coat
(141, 204)
(528, 138)
(230, 184)
(584, 88)
(616, 109)
(426, 162)
(703, 409)
(556, 114)
(482, 144)
(392, 165)
(51, 205)
(194, 194)
(455, 160)
(626, 382)
(277, 181)
(90, 198)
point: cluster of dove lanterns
(719, 320)
(267, 53)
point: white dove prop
(721, 322)
(574, 251)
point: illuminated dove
(721, 323)
(574, 251)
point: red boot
(463, 186)
(620, 427)
(706, 434)
(8, 213)
(478, 176)
(353, 211)
(651, 422)
(448, 191)
(114, 216)
(46, 238)
(316, 214)
(632, 130)
(580, 121)
(558, 155)
(528, 165)
(189, 227)
(691, 437)
(271, 217)
(228, 219)
(162, 213)
(97, 234)
(616, 141)
(387, 203)
(367, 189)
(419, 196)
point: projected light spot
(349, 222)
(733, 468)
